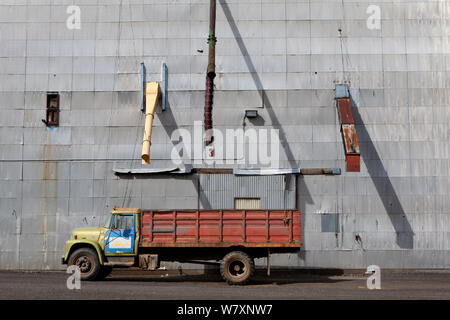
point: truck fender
(72, 245)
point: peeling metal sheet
(350, 139)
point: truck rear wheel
(87, 260)
(237, 267)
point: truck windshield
(123, 221)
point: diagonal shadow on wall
(251, 67)
(169, 124)
(305, 196)
(383, 185)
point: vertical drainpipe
(210, 74)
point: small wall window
(52, 117)
(247, 203)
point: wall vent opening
(247, 203)
(52, 115)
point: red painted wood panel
(220, 226)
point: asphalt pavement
(281, 285)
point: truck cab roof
(125, 210)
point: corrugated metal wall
(218, 191)
(284, 55)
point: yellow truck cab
(96, 250)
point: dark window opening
(52, 117)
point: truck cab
(96, 250)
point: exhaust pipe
(210, 73)
(151, 99)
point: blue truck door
(121, 234)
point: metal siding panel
(330, 222)
(219, 190)
(215, 191)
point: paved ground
(281, 285)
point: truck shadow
(277, 277)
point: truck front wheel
(87, 260)
(237, 268)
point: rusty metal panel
(352, 162)
(345, 111)
(351, 145)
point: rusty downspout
(210, 74)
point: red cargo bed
(220, 228)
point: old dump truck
(144, 238)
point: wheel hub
(237, 268)
(84, 264)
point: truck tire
(87, 260)
(104, 272)
(237, 268)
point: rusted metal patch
(345, 111)
(351, 145)
(352, 153)
(352, 162)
